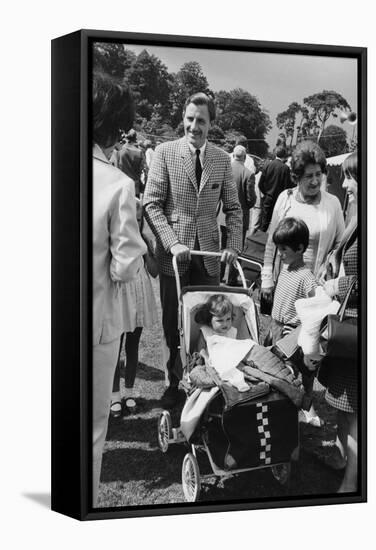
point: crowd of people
(186, 191)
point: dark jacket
(245, 182)
(275, 178)
(131, 162)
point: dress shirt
(193, 153)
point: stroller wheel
(281, 472)
(190, 476)
(164, 431)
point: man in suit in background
(245, 182)
(275, 178)
(187, 179)
(249, 163)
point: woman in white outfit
(117, 248)
(322, 213)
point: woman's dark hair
(217, 305)
(201, 99)
(113, 108)
(305, 153)
(292, 232)
(350, 166)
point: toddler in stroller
(236, 361)
(232, 415)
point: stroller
(237, 431)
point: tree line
(160, 96)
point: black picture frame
(71, 271)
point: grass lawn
(135, 472)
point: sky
(275, 79)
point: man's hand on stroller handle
(181, 252)
(229, 255)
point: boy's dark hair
(292, 232)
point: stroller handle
(215, 254)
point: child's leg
(131, 351)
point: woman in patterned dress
(340, 378)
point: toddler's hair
(217, 305)
(291, 232)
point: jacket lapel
(187, 162)
(208, 165)
(98, 154)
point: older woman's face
(310, 182)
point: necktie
(198, 168)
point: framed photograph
(208, 274)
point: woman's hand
(322, 275)
(312, 361)
(331, 287)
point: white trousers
(104, 362)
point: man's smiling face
(196, 124)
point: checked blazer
(178, 212)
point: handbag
(150, 256)
(339, 336)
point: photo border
(72, 260)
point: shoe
(130, 406)
(170, 397)
(115, 409)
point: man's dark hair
(305, 153)
(131, 136)
(113, 108)
(201, 99)
(292, 232)
(281, 152)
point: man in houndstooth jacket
(187, 179)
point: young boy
(295, 280)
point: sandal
(115, 409)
